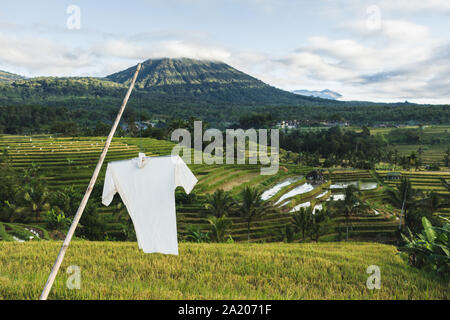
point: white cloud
(438, 6)
(399, 30)
(39, 55)
(180, 48)
(398, 61)
(109, 53)
(172, 48)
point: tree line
(24, 117)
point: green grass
(118, 270)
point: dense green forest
(25, 119)
(28, 119)
(338, 147)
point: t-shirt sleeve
(184, 176)
(109, 188)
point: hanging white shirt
(147, 188)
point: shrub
(195, 235)
(182, 198)
(219, 227)
(430, 249)
(56, 220)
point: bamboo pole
(76, 219)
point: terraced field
(430, 155)
(380, 224)
(423, 180)
(234, 178)
(71, 161)
(426, 182)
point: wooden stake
(76, 219)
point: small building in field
(316, 177)
(393, 176)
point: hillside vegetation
(66, 162)
(9, 77)
(215, 271)
(183, 88)
(161, 81)
(206, 82)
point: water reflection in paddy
(276, 188)
(306, 187)
(322, 194)
(306, 205)
(368, 185)
(343, 185)
(362, 185)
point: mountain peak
(206, 82)
(183, 71)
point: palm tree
(447, 157)
(286, 156)
(320, 222)
(404, 197)
(65, 199)
(445, 184)
(395, 158)
(31, 173)
(7, 211)
(351, 205)
(252, 206)
(412, 159)
(70, 163)
(219, 203)
(219, 227)
(297, 158)
(434, 202)
(301, 220)
(37, 195)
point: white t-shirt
(147, 188)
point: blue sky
(379, 50)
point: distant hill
(162, 82)
(182, 88)
(9, 77)
(325, 94)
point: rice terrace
(66, 162)
(217, 152)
